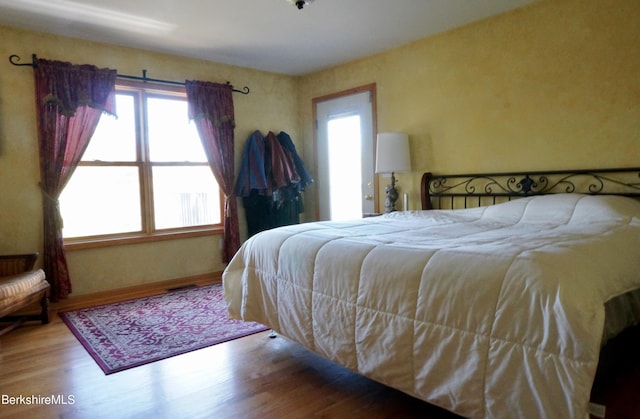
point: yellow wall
(550, 86)
(553, 85)
(271, 105)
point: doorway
(346, 184)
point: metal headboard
(478, 189)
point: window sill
(91, 243)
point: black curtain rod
(15, 60)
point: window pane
(172, 138)
(345, 172)
(115, 138)
(185, 196)
(101, 200)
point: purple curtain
(69, 101)
(211, 107)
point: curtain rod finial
(15, 60)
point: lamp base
(392, 196)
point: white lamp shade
(392, 153)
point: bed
(490, 302)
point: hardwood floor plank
(251, 377)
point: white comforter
(489, 312)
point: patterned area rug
(132, 333)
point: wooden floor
(252, 377)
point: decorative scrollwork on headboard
(464, 190)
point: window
(143, 175)
(345, 172)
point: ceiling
(270, 35)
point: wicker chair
(21, 286)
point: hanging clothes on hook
(281, 170)
(291, 205)
(252, 174)
(271, 178)
(251, 184)
(305, 176)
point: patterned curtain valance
(210, 101)
(69, 86)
